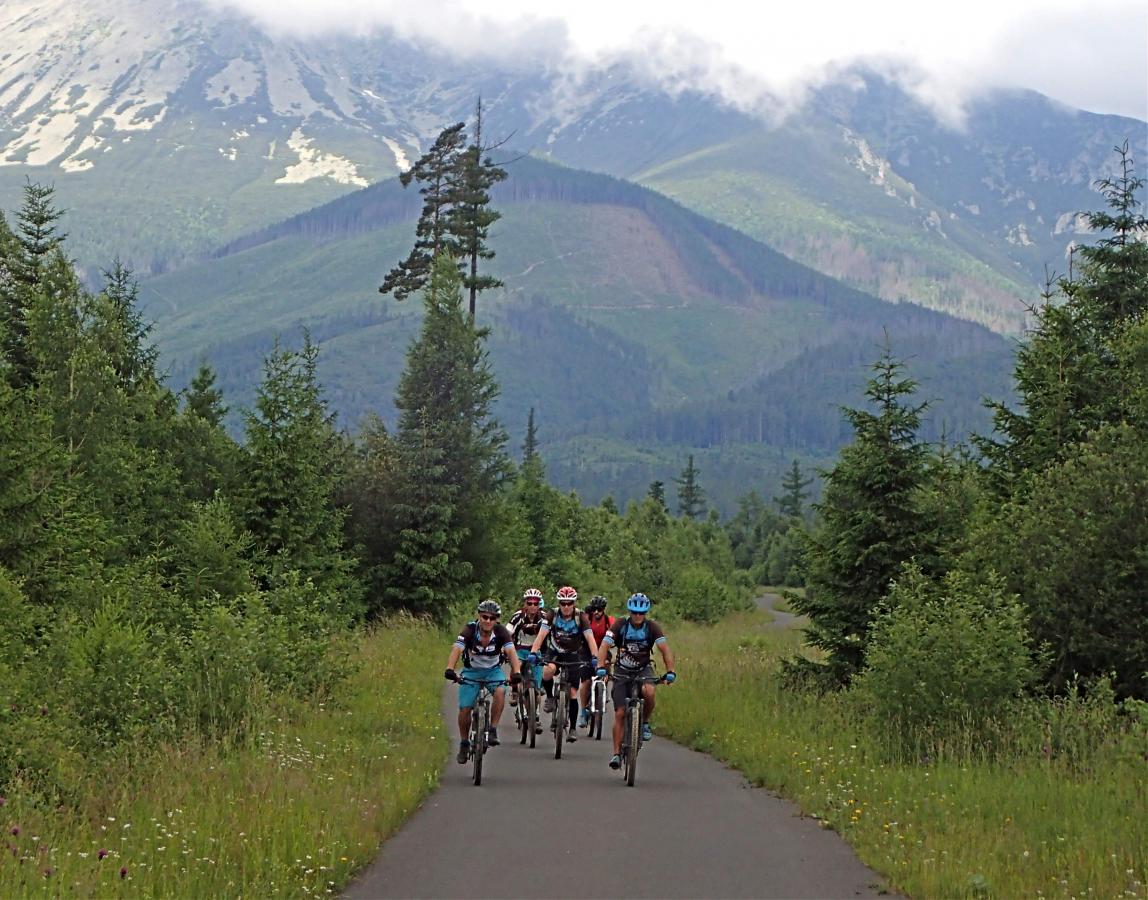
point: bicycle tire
(532, 715)
(478, 748)
(635, 745)
(561, 701)
(597, 717)
(521, 717)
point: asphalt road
(570, 828)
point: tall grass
(293, 810)
(981, 816)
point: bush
(944, 658)
(698, 596)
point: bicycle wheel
(600, 711)
(520, 715)
(560, 719)
(478, 748)
(635, 740)
(532, 715)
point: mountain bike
(598, 694)
(632, 727)
(561, 703)
(526, 713)
(480, 721)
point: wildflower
(103, 852)
(48, 872)
(3, 801)
(15, 832)
(123, 871)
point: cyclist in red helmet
(564, 634)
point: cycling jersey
(600, 627)
(567, 635)
(523, 630)
(476, 654)
(635, 643)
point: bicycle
(632, 727)
(526, 713)
(480, 721)
(562, 699)
(598, 694)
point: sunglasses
(533, 603)
(487, 618)
(565, 602)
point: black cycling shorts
(622, 679)
(573, 672)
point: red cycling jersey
(600, 627)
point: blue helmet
(638, 603)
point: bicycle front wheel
(635, 740)
(532, 715)
(478, 748)
(559, 727)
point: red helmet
(567, 593)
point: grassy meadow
(293, 810)
(960, 821)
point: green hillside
(624, 316)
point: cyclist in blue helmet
(636, 636)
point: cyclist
(600, 623)
(524, 627)
(564, 634)
(482, 644)
(636, 636)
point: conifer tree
(446, 427)
(471, 216)
(293, 462)
(438, 171)
(203, 399)
(1068, 373)
(691, 497)
(870, 522)
(530, 443)
(794, 493)
(657, 493)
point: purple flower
(15, 832)
(123, 871)
(48, 872)
(102, 853)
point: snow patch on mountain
(314, 163)
(400, 155)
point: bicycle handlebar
(493, 684)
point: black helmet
(598, 603)
(490, 607)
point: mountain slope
(622, 310)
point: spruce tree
(657, 493)
(446, 427)
(870, 522)
(438, 173)
(794, 493)
(1068, 373)
(203, 399)
(530, 443)
(691, 497)
(470, 217)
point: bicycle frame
(480, 721)
(632, 728)
(562, 698)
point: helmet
(567, 593)
(599, 602)
(532, 594)
(638, 603)
(490, 607)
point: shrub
(943, 658)
(698, 596)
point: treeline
(947, 585)
(162, 582)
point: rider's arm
(604, 649)
(455, 653)
(588, 633)
(667, 654)
(511, 654)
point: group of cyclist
(581, 641)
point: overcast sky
(1092, 55)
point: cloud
(766, 59)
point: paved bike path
(570, 828)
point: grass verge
(948, 827)
(292, 811)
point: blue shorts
(468, 693)
(522, 655)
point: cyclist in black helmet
(483, 644)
